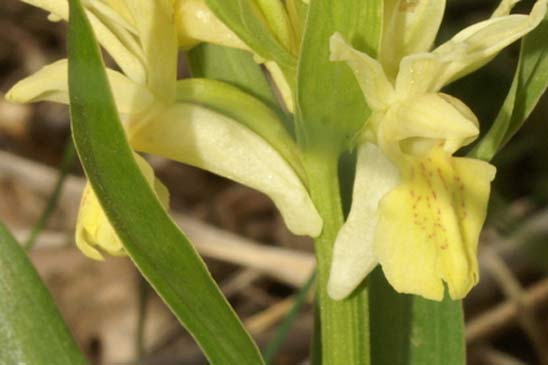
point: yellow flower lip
(429, 225)
(417, 210)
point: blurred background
(116, 317)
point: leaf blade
(31, 329)
(172, 267)
(409, 330)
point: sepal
(200, 137)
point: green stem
(344, 324)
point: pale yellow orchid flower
(94, 233)
(196, 23)
(417, 210)
(146, 97)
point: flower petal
(467, 51)
(353, 253)
(94, 233)
(378, 91)
(437, 117)
(155, 24)
(51, 84)
(118, 25)
(196, 23)
(120, 7)
(197, 136)
(429, 225)
(245, 109)
(128, 61)
(409, 27)
(504, 8)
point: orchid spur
(160, 120)
(417, 210)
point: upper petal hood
(436, 118)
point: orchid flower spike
(141, 36)
(417, 210)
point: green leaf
(247, 110)
(409, 330)
(245, 19)
(331, 106)
(155, 244)
(31, 328)
(530, 83)
(233, 66)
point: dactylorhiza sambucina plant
(160, 117)
(417, 210)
